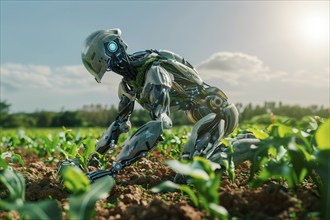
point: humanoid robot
(160, 81)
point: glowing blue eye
(112, 46)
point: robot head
(102, 50)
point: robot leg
(244, 146)
(140, 143)
(207, 133)
(200, 137)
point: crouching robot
(160, 81)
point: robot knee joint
(215, 102)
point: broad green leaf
(15, 183)
(81, 206)
(219, 211)
(4, 205)
(190, 193)
(284, 130)
(313, 123)
(281, 152)
(73, 150)
(277, 171)
(170, 186)
(89, 145)
(204, 203)
(307, 143)
(272, 151)
(3, 163)
(206, 164)
(187, 169)
(18, 158)
(215, 183)
(307, 155)
(226, 142)
(323, 170)
(259, 134)
(322, 135)
(13, 157)
(303, 174)
(165, 186)
(75, 180)
(45, 210)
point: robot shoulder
(179, 67)
(157, 75)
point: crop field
(287, 178)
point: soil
(132, 199)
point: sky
(255, 51)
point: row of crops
(286, 154)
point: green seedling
(203, 185)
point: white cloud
(244, 78)
(247, 78)
(18, 75)
(72, 78)
(28, 87)
(234, 68)
(228, 61)
(239, 68)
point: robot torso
(160, 67)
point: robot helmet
(99, 49)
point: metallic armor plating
(161, 82)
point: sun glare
(315, 28)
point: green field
(293, 159)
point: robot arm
(156, 93)
(109, 138)
(122, 123)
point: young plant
(322, 165)
(74, 180)
(203, 185)
(13, 158)
(80, 206)
(76, 147)
(293, 154)
(15, 183)
(83, 206)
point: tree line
(101, 116)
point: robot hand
(94, 161)
(92, 176)
(117, 167)
(67, 163)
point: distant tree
(102, 116)
(97, 115)
(140, 117)
(4, 107)
(4, 113)
(19, 120)
(44, 118)
(67, 119)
